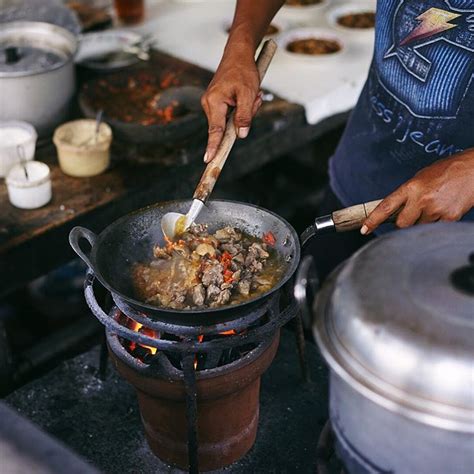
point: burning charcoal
(199, 295)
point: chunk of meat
(239, 258)
(259, 250)
(199, 295)
(244, 287)
(205, 249)
(213, 291)
(222, 298)
(228, 234)
(212, 274)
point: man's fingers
(409, 215)
(427, 217)
(244, 111)
(216, 111)
(383, 211)
(256, 105)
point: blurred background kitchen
(86, 136)
(85, 139)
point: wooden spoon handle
(352, 218)
(214, 168)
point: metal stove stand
(256, 326)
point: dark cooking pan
(131, 239)
(126, 94)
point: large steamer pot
(37, 75)
(396, 327)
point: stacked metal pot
(396, 327)
(37, 77)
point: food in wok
(204, 270)
(134, 98)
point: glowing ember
(200, 339)
(231, 332)
(138, 327)
(141, 351)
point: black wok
(91, 100)
(130, 240)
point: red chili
(228, 276)
(269, 238)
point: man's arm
(236, 82)
(443, 191)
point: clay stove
(197, 386)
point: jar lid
(28, 47)
(396, 322)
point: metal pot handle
(78, 233)
(306, 287)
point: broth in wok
(204, 270)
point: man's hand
(235, 84)
(443, 191)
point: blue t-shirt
(417, 105)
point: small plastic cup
(81, 152)
(31, 190)
(17, 143)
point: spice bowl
(336, 14)
(81, 151)
(287, 38)
(29, 185)
(17, 143)
(302, 12)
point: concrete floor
(100, 420)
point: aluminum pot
(37, 75)
(395, 325)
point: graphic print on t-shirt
(425, 54)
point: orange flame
(138, 327)
(200, 338)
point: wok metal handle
(214, 168)
(350, 218)
(78, 233)
(305, 289)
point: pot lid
(47, 11)
(28, 47)
(397, 323)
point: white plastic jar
(17, 142)
(32, 191)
